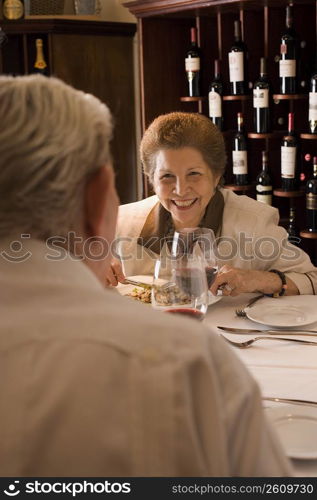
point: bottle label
(192, 63)
(13, 9)
(264, 194)
(260, 98)
(215, 105)
(240, 162)
(236, 68)
(311, 201)
(312, 115)
(288, 161)
(287, 68)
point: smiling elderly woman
(184, 156)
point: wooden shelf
(254, 135)
(308, 234)
(233, 187)
(289, 97)
(236, 97)
(288, 194)
(192, 99)
(309, 136)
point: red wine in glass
(186, 311)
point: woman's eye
(166, 176)
(194, 173)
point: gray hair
(52, 137)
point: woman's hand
(114, 274)
(233, 281)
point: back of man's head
(51, 138)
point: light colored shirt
(94, 384)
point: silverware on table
(128, 281)
(247, 343)
(241, 312)
(241, 331)
(306, 402)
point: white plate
(126, 289)
(285, 312)
(296, 427)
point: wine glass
(180, 286)
(197, 241)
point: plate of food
(296, 427)
(144, 294)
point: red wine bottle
(288, 50)
(261, 96)
(239, 154)
(312, 114)
(292, 230)
(264, 182)
(215, 97)
(237, 62)
(289, 157)
(192, 66)
(311, 199)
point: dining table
(282, 369)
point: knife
(307, 333)
(291, 401)
(127, 281)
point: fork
(241, 312)
(248, 343)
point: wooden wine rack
(164, 33)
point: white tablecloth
(287, 370)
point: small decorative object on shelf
(311, 200)
(312, 114)
(288, 50)
(289, 157)
(261, 101)
(13, 9)
(292, 230)
(40, 65)
(215, 97)
(264, 182)
(239, 154)
(237, 63)
(192, 65)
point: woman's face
(184, 184)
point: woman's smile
(184, 184)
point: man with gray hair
(92, 384)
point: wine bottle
(13, 9)
(264, 183)
(192, 66)
(311, 199)
(292, 230)
(215, 97)
(40, 65)
(261, 91)
(237, 62)
(239, 154)
(312, 114)
(289, 157)
(288, 50)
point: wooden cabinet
(164, 32)
(93, 56)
